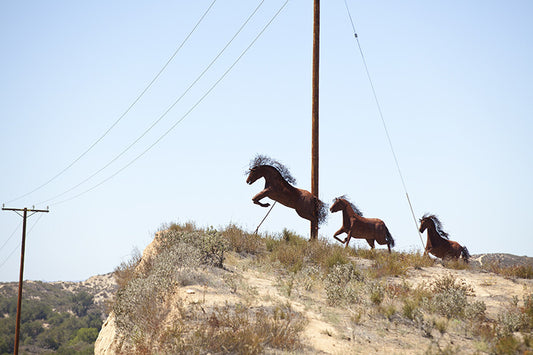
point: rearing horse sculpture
(278, 187)
(438, 243)
(357, 226)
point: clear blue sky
(454, 79)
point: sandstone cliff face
(109, 341)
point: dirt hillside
(370, 324)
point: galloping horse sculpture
(438, 243)
(357, 226)
(278, 187)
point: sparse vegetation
(364, 286)
(189, 256)
(512, 271)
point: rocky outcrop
(109, 340)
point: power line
(11, 236)
(185, 115)
(166, 111)
(18, 245)
(124, 113)
(383, 120)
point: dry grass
(514, 271)
(233, 329)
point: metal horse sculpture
(438, 243)
(278, 187)
(357, 226)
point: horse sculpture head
(431, 221)
(255, 171)
(340, 204)
(253, 175)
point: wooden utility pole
(22, 249)
(314, 143)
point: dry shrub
(511, 344)
(289, 250)
(455, 264)
(125, 272)
(393, 264)
(343, 285)
(290, 256)
(141, 303)
(188, 227)
(385, 264)
(512, 332)
(325, 255)
(235, 330)
(517, 317)
(243, 242)
(449, 299)
(518, 271)
(363, 253)
(450, 282)
(418, 260)
(411, 309)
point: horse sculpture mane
(264, 160)
(354, 207)
(437, 223)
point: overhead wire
(383, 119)
(125, 112)
(165, 113)
(19, 243)
(11, 236)
(186, 114)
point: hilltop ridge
(327, 300)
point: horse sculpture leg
(371, 243)
(347, 240)
(340, 231)
(260, 196)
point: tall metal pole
(314, 143)
(21, 273)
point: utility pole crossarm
(24, 209)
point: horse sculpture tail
(322, 211)
(465, 254)
(389, 239)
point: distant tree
(86, 335)
(8, 306)
(82, 302)
(34, 310)
(7, 343)
(31, 329)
